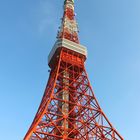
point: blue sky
(110, 29)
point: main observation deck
(78, 48)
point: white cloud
(48, 18)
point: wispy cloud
(48, 18)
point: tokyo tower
(69, 109)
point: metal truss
(69, 109)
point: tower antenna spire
(69, 28)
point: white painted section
(69, 45)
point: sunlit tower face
(69, 109)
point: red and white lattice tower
(69, 109)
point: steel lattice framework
(69, 109)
